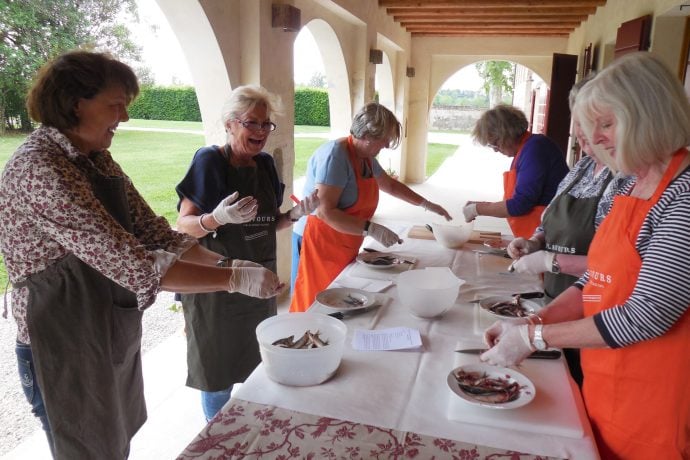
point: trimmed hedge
(311, 107)
(176, 103)
(179, 103)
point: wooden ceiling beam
(487, 3)
(482, 28)
(480, 20)
(475, 34)
(493, 25)
(515, 11)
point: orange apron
(637, 397)
(326, 251)
(524, 225)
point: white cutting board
(541, 415)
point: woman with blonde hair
(629, 311)
(230, 199)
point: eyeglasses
(256, 126)
(492, 146)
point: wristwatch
(538, 341)
(555, 266)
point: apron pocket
(126, 333)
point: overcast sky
(162, 53)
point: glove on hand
(230, 211)
(521, 247)
(535, 263)
(511, 347)
(470, 212)
(255, 282)
(239, 263)
(494, 332)
(383, 235)
(305, 207)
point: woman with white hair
(629, 312)
(230, 200)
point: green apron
(85, 335)
(568, 229)
(221, 341)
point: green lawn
(156, 161)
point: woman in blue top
(538, 167)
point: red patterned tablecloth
(249, 430)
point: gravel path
(17, 421)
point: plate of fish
(345, 299)
(383, 260)
(506, 306)
(489, 386)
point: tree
(499, 77)
(34, 31)
(318, 80)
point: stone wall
(454, 118)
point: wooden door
(563, 73)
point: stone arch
(205, 59)
(336, 74)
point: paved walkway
(175, 415)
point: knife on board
(539, 354)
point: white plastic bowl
(453, 236)
(301, 367)
(428, 292)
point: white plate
(530, 306)
(345, 299)
(383, 260)
(527, 390)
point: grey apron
(220, 327)
(568, 229)
(85, 335)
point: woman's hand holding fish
(509, 341)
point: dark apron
(221, 341)
(568, 229)
(85, 335)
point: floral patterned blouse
(48, 210)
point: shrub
(311, 107)
(177, 103)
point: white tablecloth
(407, 390)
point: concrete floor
(174, 411)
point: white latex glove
(498, 328)
(239, 263)
(535, 263)
(521, 247)
(230, 211)
(470, 212)
(511, 348)
(383, 235)
(306, 206)
(438, 209)
(255, 282)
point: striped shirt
(662, 292)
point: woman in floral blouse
(86, 255)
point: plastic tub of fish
(283, 342)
